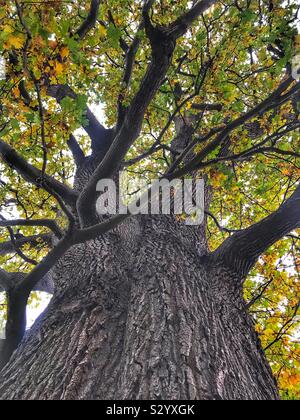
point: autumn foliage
(233, 57)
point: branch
(76, 150)
(49, 223)
(129, 62)
(45, 285)
(15, 325)
(43, 133)
(285, 327)
(90, 21)
(10, 280)
(241, 251)
(122, 42)
(17, 292)
(35, 176)
(68, 212)
(273, 101)
(163, 42)
(95, 231)
(252, 151)
(207, 107)
(262, 290)
(73, 145)
(5, 280)
(181, 25)
(31, 281)
(94, 128)
(36, 84)
(25, 95)
(100, 136)
(219, 226)
(13, 279)
(35, 240)
(18, 249)
(18, 296)
(16, 309)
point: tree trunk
(141, 313)
(149, 319)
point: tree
(147, 306)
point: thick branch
(131, 126)
(181, 25)
(90, 21)
(242, 250)
(34, 175)
(15, 325)
(10, 280)
(42, 269)
(76, 150)
(18, 287)
(129, 63)
(100, 136)
(163, 42)
(18, 294)
(95, 231)
(45, 285)
(5, 280)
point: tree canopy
(75, 69)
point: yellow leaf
(102, 32)
(286, 172)
(14, 41)
(7, 29)
(64, 52)
(59, 69)
(16, 91)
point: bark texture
(141, 313)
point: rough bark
(141, 313)
(144, 311)
(148, 319)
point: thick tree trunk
(145, 319)
(141, 313)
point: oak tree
(145, 306)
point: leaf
(114, 35)
(64, 52)
(248, 16)
(15, 41)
